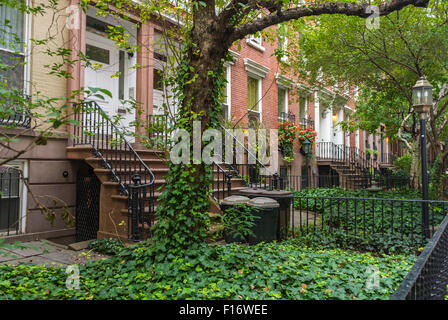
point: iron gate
(87, 204)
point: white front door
(110, 70)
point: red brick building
(257, 91)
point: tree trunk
(183, 213)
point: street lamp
(422, 103)
(306, 148)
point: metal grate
(87, 205)
(9, 201)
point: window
(302, 109)
(283, 41)
(12, 55)
(158, 80)
(226, 95)
(252, 94)
(282, 104)
(253, 103)
(97, 54)
(255, 40)
(9, 200)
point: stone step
(86, 151)
(97, 163)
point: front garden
(315, 265)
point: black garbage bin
(226, 204)
(284, 199)
(265, 228)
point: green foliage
(366, 224)
(239, 220)
(436, 177)
(404, 163)
(384, 63)
(264, 271)
(107, 246)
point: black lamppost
(422, 102)
(306, 148)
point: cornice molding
(255, 69)
(284, 81)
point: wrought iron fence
(387, 158)
(9, 201)
(362, 218)
(306, 122)
(428, 278)
(299, 182)
(287, 116)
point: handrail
(97, 148)
(135, 178)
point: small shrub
(107, 246)
(403, 163)
(238, 221)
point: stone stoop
(114, 214)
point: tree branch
(346, 8)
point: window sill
(255, 45)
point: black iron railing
(428, 278)
(298, 182)
(9, 201)
(361, 170)
(387, 158)
(366, 217)
(15, 112)
(287, 116)
(306, 122)
(247, 166)
(135, 178)
(160, 128)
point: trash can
(284, 199)
(265, 228)
(226, 204)
(251, 192)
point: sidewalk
(42, 252)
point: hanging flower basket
(287, 132)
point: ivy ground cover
(287, 270)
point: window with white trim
(12, 198)
(283, 41)
(253, 100)
(282, 98)
(255, 40)
(226, 95)
(303, 110)
(12, 49)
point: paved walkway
(42, 252)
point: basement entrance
(87, 204)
